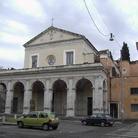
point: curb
(14, 124)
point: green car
(39, 119)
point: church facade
(62, 73)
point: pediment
(52, 34)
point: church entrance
(84, 102)
(59, 100)
(89, 105)
(37, 102)
(18, 98)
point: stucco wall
(128, 82)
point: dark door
(53, 102)
(89, 105)
(114, 110)
(15, 104)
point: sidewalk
(7, 123)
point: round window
(51, 60)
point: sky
(20, 21)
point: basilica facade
(62, 73)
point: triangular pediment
(53, 34)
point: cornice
(56, 69)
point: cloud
(31, 7)
(23, 20)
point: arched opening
(84, 98)
(59, 100)
(18, 98)
(2, 97)
(37, 102)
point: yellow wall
(128, 82)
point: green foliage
(9, 120)
(125, 52)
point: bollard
(15, 116)
(3, 119)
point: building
(128, 88)
(62, 73)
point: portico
(67, 93)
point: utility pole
(121, 80)
(122, 89)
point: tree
(125, 52)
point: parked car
(39, 119)
(98, 119)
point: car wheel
(45, 127)
(84, 123)
(54, 128)
(102, 124)
(20, 124)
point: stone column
(50, 99)
(27, 98)
(46, 97)
(71, 97)
(9, 97)
(98, 96)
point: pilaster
(27, 98)
(47, 105)
(71, 97)
(98, 96)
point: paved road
(69, 129)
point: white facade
(60, 74)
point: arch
(18, 97)
(59, 98)
(37, 102)
(84, 97)
(90, 79)
(54, 80)
(2, 97)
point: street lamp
(122, 90)
(121, 81)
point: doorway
(89, 105)
(114, 110)
(15, 104)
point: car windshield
(93, 116)
(108, 116)
(52, 115)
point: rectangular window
(134, 107)
(134, 91)
(34, 61)
(69, 58)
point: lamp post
(121, 80)
(122, 89)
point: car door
(99, 118)
(92, 119)
(31, 119)
(43, 118)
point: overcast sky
(21, 20)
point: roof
(61, 30)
